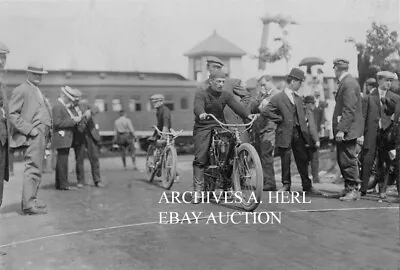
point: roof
(217, 46)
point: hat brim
(69, 95)
(37, 72)
(296, 78)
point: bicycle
(229, 165)
(161, 159)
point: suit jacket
(27, 110)
(262, 124)
(63, 127)
(371, 109)
(349, 109)
(319, 114)
(4, 125)
(86, 127)
(281, 111)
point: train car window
(135, 105)
(101, 105)
(184, 103)
(116, 105)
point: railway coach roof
(56, 77)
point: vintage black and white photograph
(199, 134)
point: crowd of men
(29, 124)
(286, 124)
(290, 124)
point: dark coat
(86, 127)
(371, 109)
(63, 127)
(280, 111)
(4, 131)
(319, 114)
(348, 108)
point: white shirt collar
(343, 75)
(381, 91)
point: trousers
(300, 153)
(264, 144)
(92, 149)
(62, 168)
(33, 160)
(347, 160)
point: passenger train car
(112, 91)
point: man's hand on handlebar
(252, 116)
(203, 116)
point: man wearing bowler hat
(4, 150)
(348, 125)
(287, 110)
(65, 123)
(30, 118)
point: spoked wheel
(150, 163)
(247, 177)
(168, 168)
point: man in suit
(377, 124)
(313, 149)
(87, 138)
(4, 149)
(318, 111)
(348, 125)
(264, 130)
(370, 85)
(392, 107)
(65, 123)
(31, 122)
(287, 110)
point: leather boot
(198, 183)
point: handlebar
(233, 125)
(174, 133)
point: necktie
(294, 98)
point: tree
(376, 53)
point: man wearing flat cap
(4, 125)
(288, 111)
(378, 126)
(31, 121)
(210, 101)
(231, 85)
(65, 123)
(370, 85)
(348, 126)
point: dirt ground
(118, 227)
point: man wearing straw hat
(4, 156)
(65, 122)
(30, 118)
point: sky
(153, 35)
